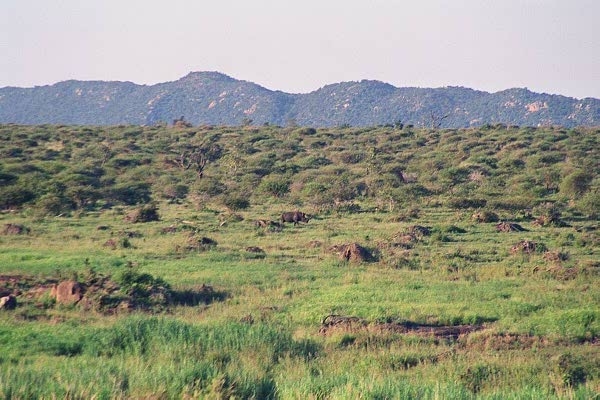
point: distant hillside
(217, 99)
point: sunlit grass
(537, 320)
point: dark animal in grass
(294, 217)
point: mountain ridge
(211, 97)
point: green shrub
(276, 187)
(235, 202)
(143, 289)
(14, 196)
(479, 375)
(318, 194)
(576, 184)
(306, 131)
(174, 191)
(351, 157)
(130, 193)
(209, 186)
(6, 178)
(580, 325)
(571, 369)
(485, 216)
(53, 204)
(589, 204)
(440, 236)
(146, 213)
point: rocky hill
(217, 99)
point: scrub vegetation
(151, 262)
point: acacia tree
(192, 159)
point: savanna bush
(144, 287)
(453, 176)
(351, 157)
(7, 178)
(130, 193)
(14, 196)
(573, 370)
(305, 131)
(485, 216)
(174, 191)
(318, 194)
(575, 184)
(275, 186)
(580, 325)
(52, 204)
(145, 213)
(476, 377)
(209, 186)
(235, 201)
(589, 204)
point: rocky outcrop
(67, 292)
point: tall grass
(141, 356)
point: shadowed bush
(194, 296)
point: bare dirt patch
(103, 294)
(449, 332)
(344, 324)
(18, 284)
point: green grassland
(528, 317)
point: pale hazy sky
(550, 46)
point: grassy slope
(542, 319)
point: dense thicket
(63, 169)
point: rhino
(294, 216)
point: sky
(547, 46)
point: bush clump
(485, 216)
(143, 289)
(145, 213)
(236, 202)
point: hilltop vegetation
(437, 263)
(214, 98)
(53, 170)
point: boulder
(8, 302)
(67, 292)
